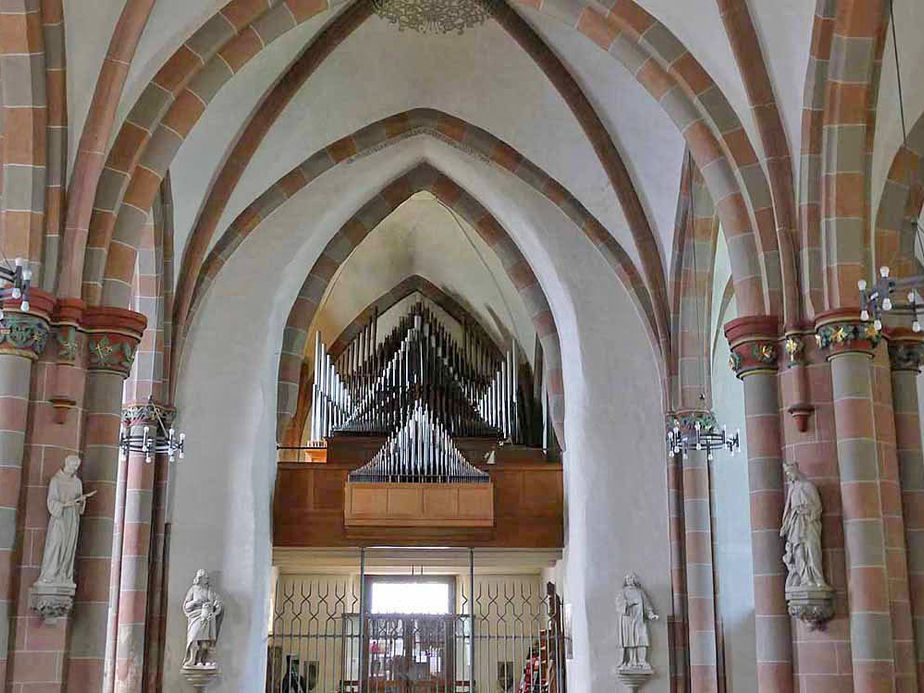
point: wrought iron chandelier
(434, 16)
(704, 436)
(20, 276)
(159, 441)
(882, 296)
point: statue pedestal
(52, 602)
(634, 677)
(200, 676)
(813, 604)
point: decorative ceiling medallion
(434, 16)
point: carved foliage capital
(750, 357)
(848, 336)
(906, 355)
(685, 421)
(23, 334)
(111, 352)
(148, 413)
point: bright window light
(410, 598)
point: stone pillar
(698, 564)
(677, 621)
(22, 340)
(870, 495)
(906, 353)
(136, 545)
(113, 335)
(753, 342)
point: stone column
(113, 335)
(22, 340)
(753, 342)
(868, 489)
(698, 565)
(906, 353)
(136, 545)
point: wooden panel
(310, 503)
(418, 505)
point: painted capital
(23, 334)
(906, 350)
(842, 332)
(147, 414)
(112, 338)
(685, 422)
(753, 343)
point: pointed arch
(351, 234)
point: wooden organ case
(422, 437)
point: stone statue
(52, 594)
(802, 530)
(204, 613)
(634, 612)
(66, 503)
(808, 594)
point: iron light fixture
(154, 439)
(20, 276)
(881, 297)
(705, 436)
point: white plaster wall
(650, 144)
(425, 238)
(731, 504)
(909, 22)
(697, 24)
(785, 31)
(614, 463)
(455, 74)
(208, 144)
(88, 28)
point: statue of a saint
(66, 503)
(802, 530)
(635, 611)
(204, 613)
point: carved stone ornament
(23, 334)
(68, 346)
(51, 602)
(148, 413)
(633, 612)
(204, 612)
(795, 348)
(839, 337)
(906, 356)
(112, 352)
(808, 594)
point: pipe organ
(417, 375)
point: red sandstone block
(867, 589)
(85, 675)
(860, 500)
(45, 637)
(817, 658)
(597, 28)
(93, 585)
(873, 676)
(32, 667)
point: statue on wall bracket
(204, 612)
(634, 611)
(52, 595)
(808, 594)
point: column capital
(842, 332)
(25, 333)
(148, 413)
(113, 335)
(906, 349)
(685, 420)
(753, 340)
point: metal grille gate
(323, 635)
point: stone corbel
(113, 335)
(68, 340)
(794, 347)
